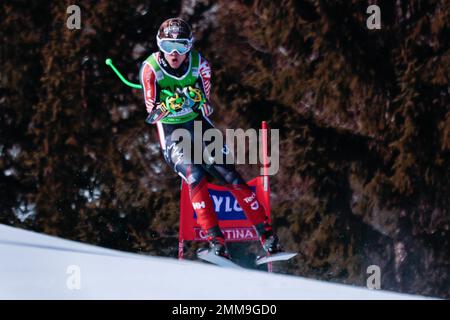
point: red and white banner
(232, 219)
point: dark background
(363, 117)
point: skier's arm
(155, 109)
(149, 86)
(205, 83)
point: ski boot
(269, 240)
(217, 252)
(217, 243)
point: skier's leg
(244, 195)
(247, 199)
(204, 207)
(194, 176)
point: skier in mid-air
(177, 70)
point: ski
(209, 256)
(281, 256)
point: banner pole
(265, 166)
(181, 230)
(266, 177)
(180, 249)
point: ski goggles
(181, 46)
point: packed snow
(37, 266)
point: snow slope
(37, 266)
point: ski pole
(121, 77)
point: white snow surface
(38, 266)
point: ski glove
(158, 113)
(207, 109)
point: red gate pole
(265, 166)
(266, 184)
(182, 221)
(180, 249)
